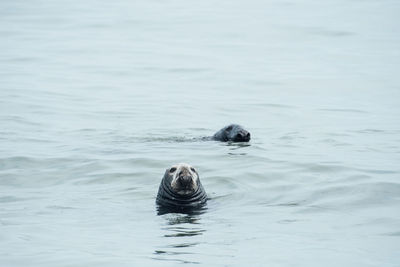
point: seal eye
(172, 170)
(193, 170)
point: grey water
(98, 98)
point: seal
(233, 133)
(180, 189)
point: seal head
(233, 133)
(180, 188)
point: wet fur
(233, 133)
(170, 194)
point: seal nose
(185, 180)
(243, 136)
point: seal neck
(167, 197)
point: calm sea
(98, 98)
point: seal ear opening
(229, 128)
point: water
(98, 98)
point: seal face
(181, 188)
(233, 133)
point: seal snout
(242, 136)
(184, 179)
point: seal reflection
(182, 232)
(235, 148)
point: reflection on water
(234, 148)
(184, 218)
(234, 145)
(182, 232)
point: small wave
(171, 139)
(273, 105)
(20, 120)
(346, 110)
(360, 195)
(10, 199)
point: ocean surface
(98, 98)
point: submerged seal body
(180, 189)
(232, 132)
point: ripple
(345, 110)
(358, 195)
(394, 234)
(184, 245)
(329, 32)
(273, 105)
(323, 168)
(9, 199)
(172, 252)
(175, 260)
(20, 120)
(57, 207)
(183, 233)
